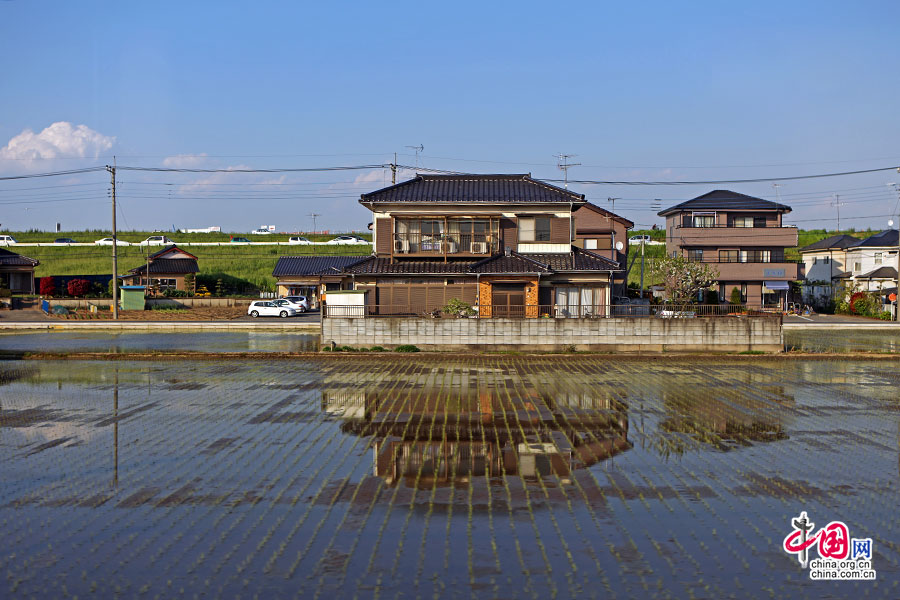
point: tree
(48, 286)
(78, 287)
(736, 295)
(189, 283)
(683, 279)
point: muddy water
(843, 340)
(487, 477)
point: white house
(825, 265)
(872, 262)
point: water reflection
(427, 437)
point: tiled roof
(383, 266)
(174, 266)
(836, 241)
(166, 250)
(472, 188)
(842, 275)
(11, 259)
(884, 239)
(880, 273)
(577, 260)
(313, 265)
(514, 263)
(725, 200)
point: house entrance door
(508, 300)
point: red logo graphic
(833, 540)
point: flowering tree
(682, 278)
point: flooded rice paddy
(495, 477)
(843, 340)
(128, 342)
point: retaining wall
(173, 302)
(623, 334)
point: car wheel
(282, 314)
(254, 314)
(301, 309)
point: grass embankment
(91, 235)
(233, 263)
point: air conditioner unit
(401, 246)
(479, 247)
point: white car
(6, 240)
(638, 239)
(156, 240)
(261, 231)
(109, 242)
(298, 303)
(267, 308)
(346, 240)
(299, 239)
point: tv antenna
(777, 193)
(314, 215)
(838, 204)
(563, 164)
(418, 149)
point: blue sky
(639, 91)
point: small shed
(132, 297)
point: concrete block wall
(623, 334)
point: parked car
(344, 240)
(109, 242)
(156, 240)
(261, 231)
(239, 240)
(64, 241)
(6, 240)
(268, 308)
(299, 239)
(638, 239)
(298, 303)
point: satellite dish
(619, 245)
(891, 223)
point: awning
(776, 285)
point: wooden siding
(559, 230)
(418, 298)
(383, 236)
(509, 232)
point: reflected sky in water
(121, 341)
(489, 476)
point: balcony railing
(551, 311)
(444, 243)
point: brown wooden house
(17, 272)
(166, 268)
(501, 242)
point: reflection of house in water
(728, 419)
(447, 426)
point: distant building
(17, 272)
(872, 262)
(313, 276)
(825, 263)
(167, 269)
(212, 229)
(604, 233)
(742, 237)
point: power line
(54, 173)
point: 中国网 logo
(840, 556)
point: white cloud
(370, 177)
(184, 161)
(59, 140)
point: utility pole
(314, 215)
(838, 204)
(115, 245)
(563, 164)
(642, 267)
(897, 280)
(394, 170)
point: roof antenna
(777, 193)
(419, 148)
(563, 164)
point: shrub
(406, 348)
(47, 286)
(78, 287)
(189, 283)
(735, 296)
(348, 349)
(377, 349)
(175, 294)
(326, 348)
(457, 308)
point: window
(728, 256)
(878, 256)
(534, 229)
(695, 255)
(590, 244)
(759, 221)
(742, 222)
(756, 256)
(743, 292)
(826, 260)
(580, 301)
(704, 220)
(857, 266)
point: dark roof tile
(11, 259)
(836, 241)
(174, 266)
(288, 266)
(383, 266)
(880, 273)
(725, 200)
(472, 188)
(884, 239)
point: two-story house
(825, 266)
(872, 262)
(742, 237)
(501, 242)
(604, 233)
